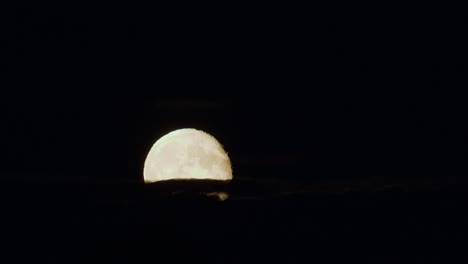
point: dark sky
(325, 92)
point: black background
(319, 92)
(351, 92)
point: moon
(187, 154)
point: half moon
(187, 154)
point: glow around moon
(187, 154)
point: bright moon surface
(187, 154)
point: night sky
(345, 125)
(318, 93)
